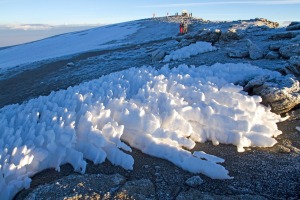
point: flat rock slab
(95, 186)
(284, 35)
(290, 50)
(137, 189)
(195, 194)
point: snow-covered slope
(66, 44)
(100, 38)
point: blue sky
(57, 12)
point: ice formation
(188, 51)
(160, 112)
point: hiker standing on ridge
(181, 27)
(185, 27)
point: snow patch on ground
(66, 44)
(160, 112)
(188, 51)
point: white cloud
(29, 27)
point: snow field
(160, 112)
(188, 51)
(66, 44)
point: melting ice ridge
(160, 112)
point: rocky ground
(259, 173)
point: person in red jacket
(181, 28)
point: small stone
(275, 46)
(283, 149)
(146, 166)
(158, 55)
(70, 64)
(194, 181)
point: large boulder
(293, 66)
(268, 23)
(293, 26)
(254, 51)
(290, 50)
(208, 35)
(231, 34)
(281, 93)
(284, 35)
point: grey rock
(177, 38)
(283, 149)
(195, 194)
(208, 35)
(293, 66)
(268, 23)
(293, 26)
(158, 55)
(194, 181)
(78, 186)
(281, 93)
(275, 46)
(184, 43)
(238, 53)
(70, 64)
(137, 189)
(296, 39)
(191, 35)
(254, 51)
(284, 35)
(272, 55)
(231, 34)
(290, 50)
(293, 23)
